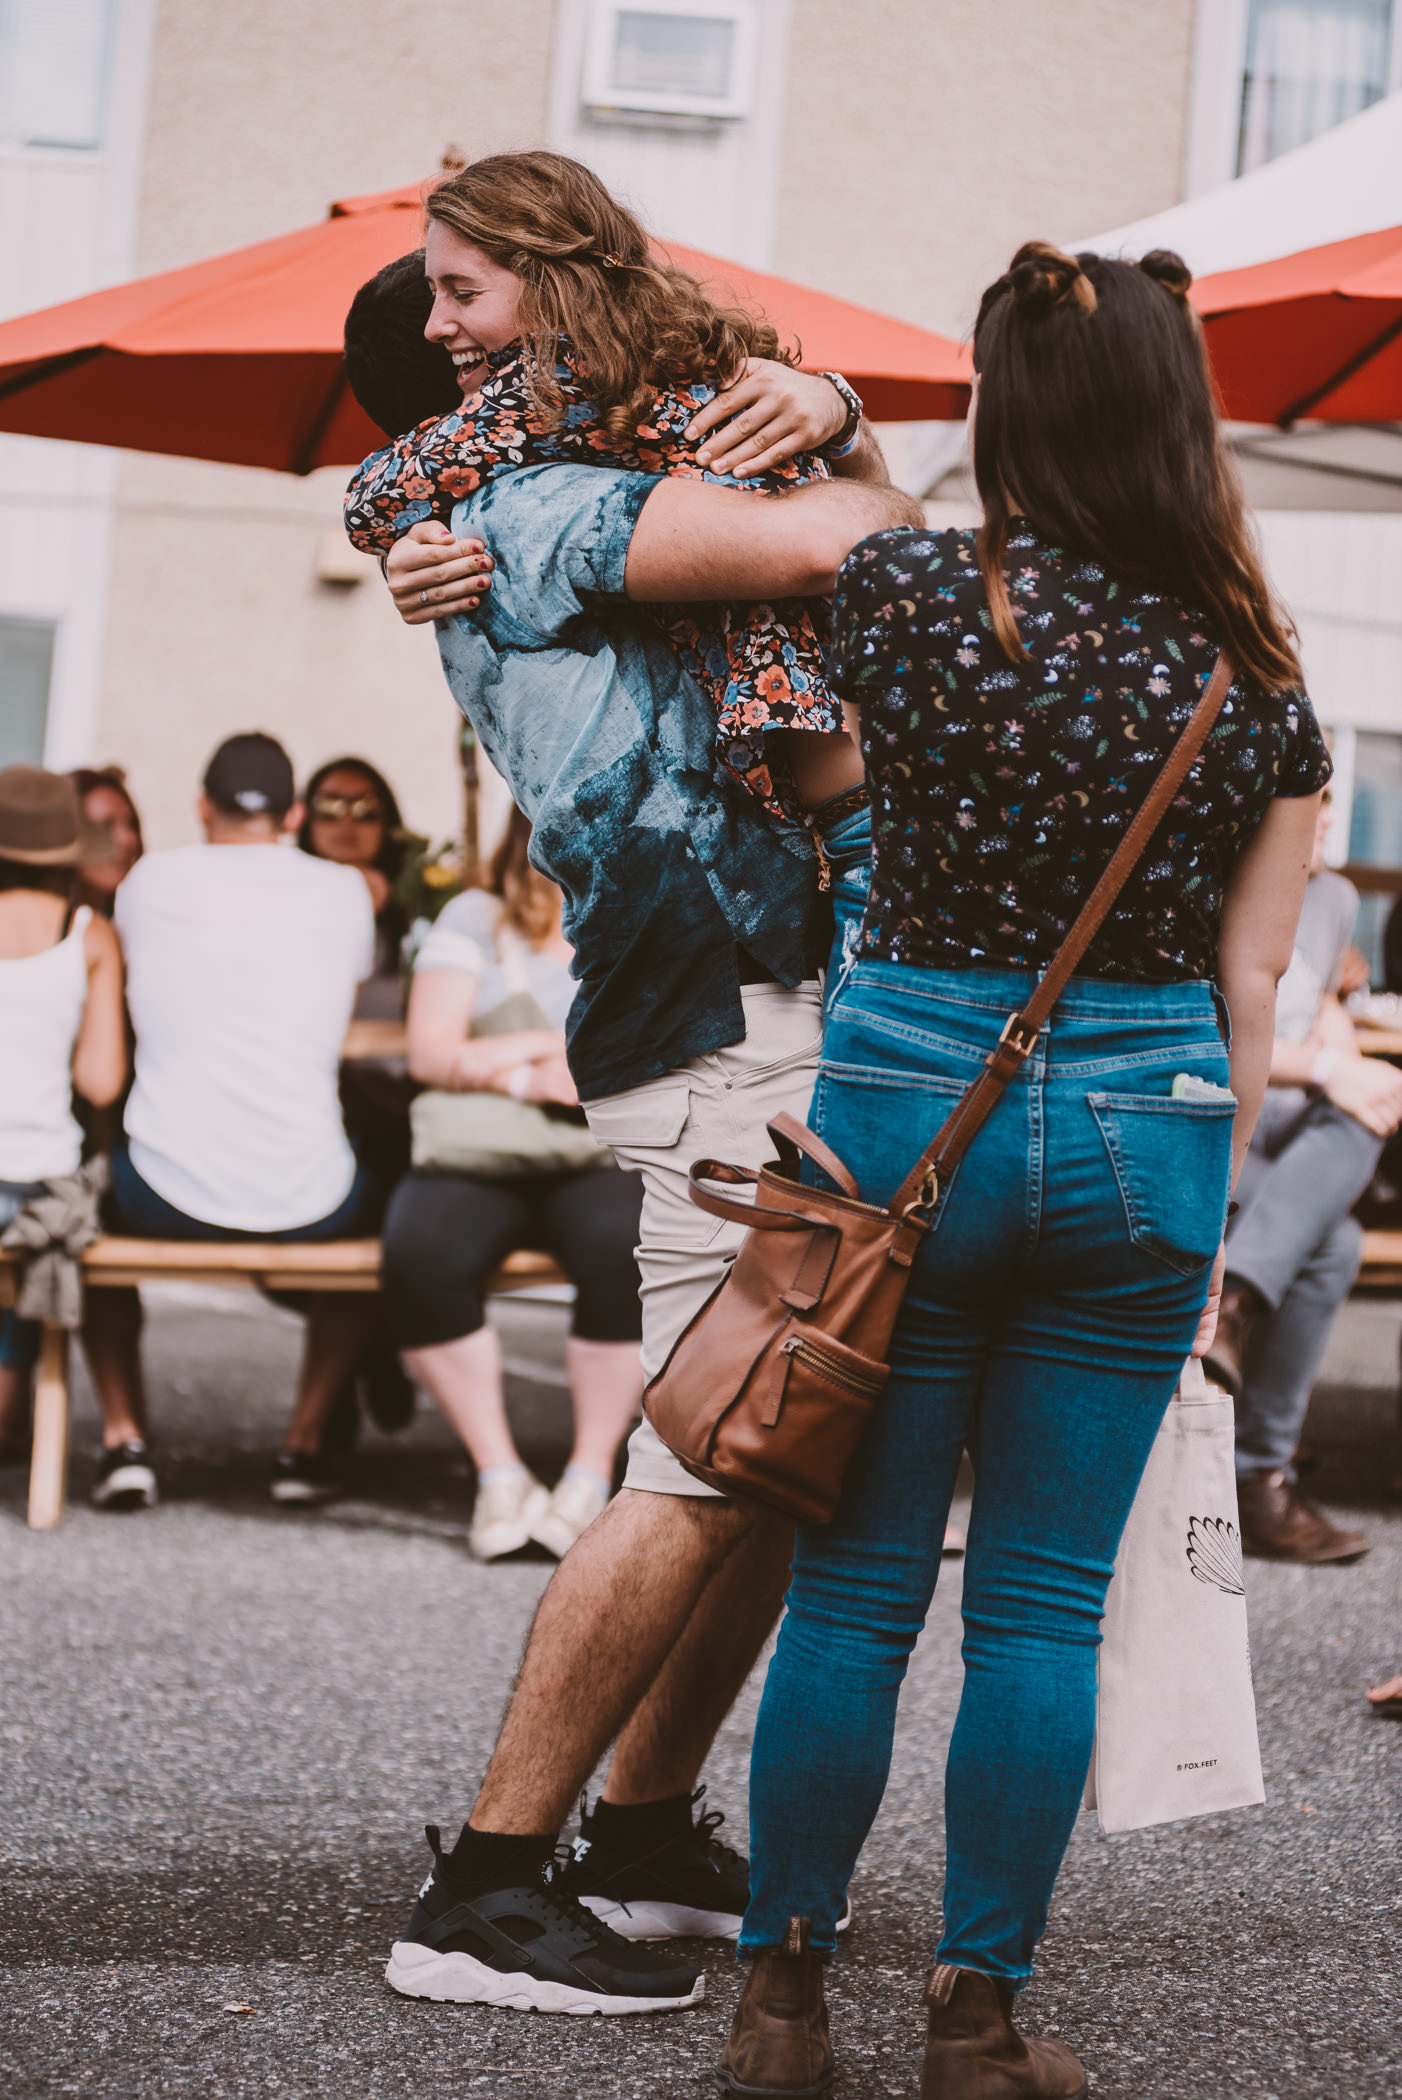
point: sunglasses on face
(364, 809)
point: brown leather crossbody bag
(768, 1389)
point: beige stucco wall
(926, 138)
(260, 115)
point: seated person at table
(62, 1031)
(116, 824)
(352, 816)
(1293, 1249)
(499, 952)
(243, 958)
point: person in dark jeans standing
(1018, 692)
(1294, 1247)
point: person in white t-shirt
(243, 959)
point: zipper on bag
(827, 1366)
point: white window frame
(1213, 132)
(601, 97)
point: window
(1310, 64)
(53, 72)
(1366, 836)
(672, 58)
(26, 664)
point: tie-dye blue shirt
(668, 869)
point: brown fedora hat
(42, 823)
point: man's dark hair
(398, 377)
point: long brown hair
(530, 900)
(1096, 421)
(587, 272)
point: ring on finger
(423, 597)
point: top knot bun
(1040, 277)
(1169, 270)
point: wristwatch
(837, 447)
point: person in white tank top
(61, 1024)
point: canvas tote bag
(491, 1135)
(1176, 1722)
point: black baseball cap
(251, 776)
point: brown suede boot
(1239, 1308)
(779, 2047)
(973, 2051)
(1277, 1523)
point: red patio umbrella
(1316, 335)
(239, 358)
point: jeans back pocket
(1173, 1163)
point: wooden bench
(1382, 1261)
(304, 1265)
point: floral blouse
(763, 665)
(1000, 790)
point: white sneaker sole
(130, 1487)
(673, 1921)
(662, 1921)
(303, 1494)
(458, 1979)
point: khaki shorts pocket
(643, 1128)
(646, 1118)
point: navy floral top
(763, 665)
(1000, 790)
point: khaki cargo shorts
(715, 1107)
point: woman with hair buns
(1017, 690)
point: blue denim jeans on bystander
(1049, 1314)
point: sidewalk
(226, 1724)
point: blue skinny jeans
(1049, 1313)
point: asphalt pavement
(224, 1726)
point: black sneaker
(300, 1477)
(693, 1887)
(528, 1949)
(126, 1478)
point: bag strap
(1021, 1030)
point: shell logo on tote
(1214, 1554)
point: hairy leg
(662, 1748)
(617, 1605)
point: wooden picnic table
(306, 1265)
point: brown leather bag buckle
(928, 1194)
(1019, 1034)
